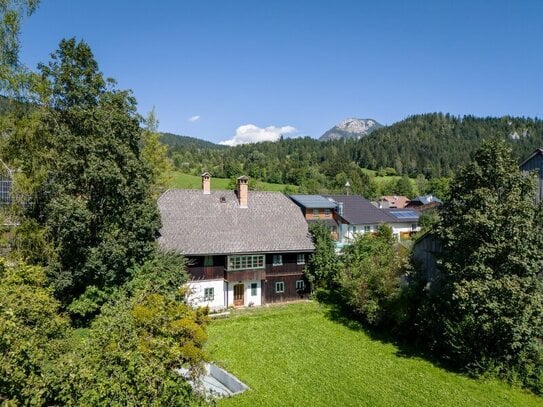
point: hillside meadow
(181, 180)
(299, 355)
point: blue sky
(259, 68)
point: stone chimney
(243, 191)
(206, 183)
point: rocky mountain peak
(351, 128)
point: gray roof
(358, 211)
(313, 201)
(426, 199)
(198, 224)
(403, 215)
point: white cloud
(249, 133)
(194, 118)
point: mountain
(437, 144)
(351, 128)
(176, 141)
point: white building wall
(397, 228)
(248, 299)
(197, 290)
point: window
(414, 226)
(327, 212)
(208, 261)
(209, 294)
(300, 285)
(254, 287)
(315, 213)
(247, 262)
(367, 229)
(279, 287)
(300, 259)
(277, 260)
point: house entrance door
(238, 295)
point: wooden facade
(290, 273)
(535, 163)
(317, 213)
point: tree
(323, 262)
(87, 184)
(154, 154)
(370, 277)
(31, 334)
(12, 76)
(489, 302)
(133, 348)
(11, 12)
(404, 186)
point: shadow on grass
(339, 312)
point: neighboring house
(534, 162)
(244, 247)
(360, 216)
(318, 208)
(424, 202)
(406, 222)
(350, 215)
(393, 201)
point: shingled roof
(358, 211)
(198, 224)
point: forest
(427, 147)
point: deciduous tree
(490, 301)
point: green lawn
(296, 355)
(180, 180)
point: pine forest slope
(433, 144)
(437, 144)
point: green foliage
(86, 182)
(429, 220)
(370, 276)
(438, 144)
(126, 357)
(439, 187)
(487, 310)
(31, 333)
(434, 145)
(130, 353)
(323, 261)
(11, 13)
(404, 186)
(154, 154)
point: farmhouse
(244, 247)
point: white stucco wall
(197, 289)
(397, 228)
(247, 297)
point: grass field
(180, 180)
(297, 355)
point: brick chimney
(243, 191)
(206, 183)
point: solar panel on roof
(404, 214)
